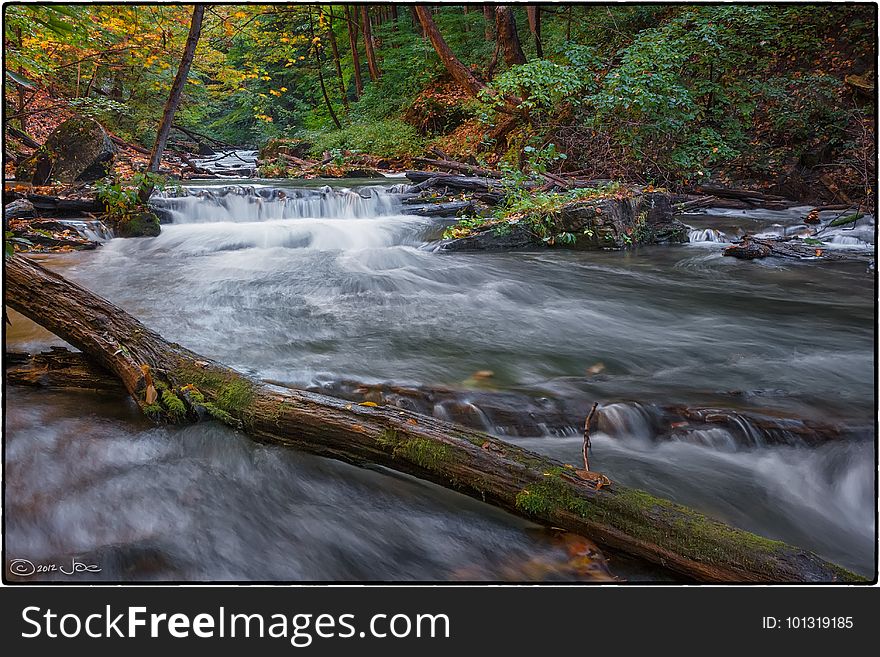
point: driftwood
(193, 167)
(126, 144)
(439, 209)
(23, 137)
(752, 248)
(463, 183)
(171, 383)
(459, 167)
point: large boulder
(78, 150)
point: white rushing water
(306, 284)
(230, 163)
(250, 203)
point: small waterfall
(245, 203)
(626, 420)
(718, 428)
(706, 235)
(232, 164)
(93, 229)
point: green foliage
(122, 199)
(11, 240)
(665, 93)
(541, 84)
(389, 137)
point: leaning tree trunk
(172, 383)
(189, 51)
(459, 72)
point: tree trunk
(459, 72)
(22, 96)
(316, 48)
(336, 60)
(170, 382)
(507, 35)
(534, 14)
(417, 26)
(375, 73)
(355, 57)
(489, 17)
(189, 51)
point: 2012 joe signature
(26, 568)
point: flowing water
(311, 284)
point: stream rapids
(309, 284)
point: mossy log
(172, 383)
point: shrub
(387, 138)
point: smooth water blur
(311, 285)
(205, 503)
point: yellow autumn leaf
(368, 403)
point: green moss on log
(671, 525)
(426, 453)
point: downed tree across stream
(171, 383)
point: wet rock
(78, 150)
(748, 250)
(20, 209)
(141, 224)
(362, 173)
(164, 215)
(601, 223)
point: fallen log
(172, 383)
(752, 248)
(439, 209)
(23, 137)
(58, 206)
(694, 204)
(749, 195)
(192, 166)
(126, 144)
(464, 183)
(459, 167)
(58, 368)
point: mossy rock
(140, 224)
(78, 150)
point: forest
(448, 292)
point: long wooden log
(459, 167)
(752, 248)
(173, 383)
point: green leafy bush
(387, 138)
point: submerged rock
(78, 150)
